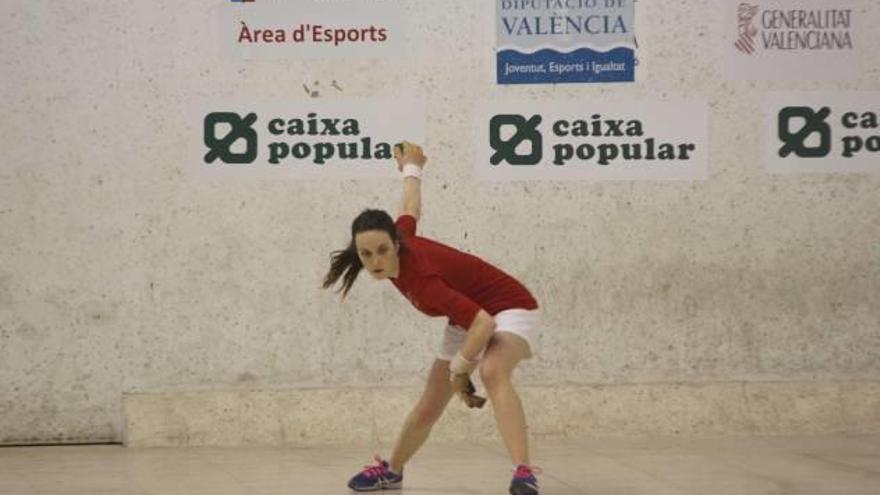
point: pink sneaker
(376, 477)
(524, 481)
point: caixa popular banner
(823, 132)
(565, 41)
(308, 139)
(600, 140)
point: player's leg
(504, 352)
(416, 428)
(421, 419)
(509, 346)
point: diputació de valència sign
(565, 41)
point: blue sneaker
(524, 481)
(376, 477)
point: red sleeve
(459, 308)
(406, 225)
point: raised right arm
(410, 161)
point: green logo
(796, 142)
(525, 130)
(241, 128)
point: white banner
(275, 29)
(812, 132)
(601, 140)
(308, 139)
(792, 39)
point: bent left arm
(465, 361)
(478, 335)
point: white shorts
(522, 322)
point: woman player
(491, 315)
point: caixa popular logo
(810, 132)
(235, 139)
(595, 139)
(238, 129)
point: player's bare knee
(493, 373)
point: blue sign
(565, 41)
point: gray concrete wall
(121, 273)
(237, 416)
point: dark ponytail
(345, 263)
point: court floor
(827, 465)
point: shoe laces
(525, 470)
(376, 470)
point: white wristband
(461, 365)
(411, 170)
